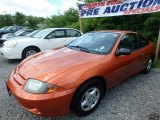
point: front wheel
(29, 51)
(87, 98)
(148, 66)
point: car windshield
(33, 33)
(42, 33)
(96, 42)
(18, 32)
(4, 28)
(9, 28)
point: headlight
(39, 87)
(10, 44)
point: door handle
(141, 55)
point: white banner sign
(117, 8)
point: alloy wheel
(90, 99)
(30, 52)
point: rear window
(73, 33)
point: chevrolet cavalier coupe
(75, 77)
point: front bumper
(10, 53)
(46, 105)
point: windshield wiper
(85, 50)
(80, 48)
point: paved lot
(135, 99)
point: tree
(6, 20)
(19, 19)
(31, 22)
(70, 16)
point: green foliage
(31, 22)
(19, 19)
(157, 64)
(75, 25)
(68, 18)
(6, 20)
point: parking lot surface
(135, 99)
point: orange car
(75, 77)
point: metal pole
(157, 48)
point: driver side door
(55, 39)
(127, 65)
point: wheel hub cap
(31, 52)
(149, 66)
(90, 99)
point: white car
(46, 39)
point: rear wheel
(148, 66)
(87, 98)
(29, 51)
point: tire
(148, 66)
(29, 51)
(87, 98)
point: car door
(71, 35)
(127, 65)
(144, 49)
(55, 39)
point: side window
(129, 41)
(143, 40)
(56, 34)
(13, 29)
(24, 33)
(73, 33)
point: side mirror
(123, 51)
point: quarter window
(143, 40)
(129, 41)
(73, 33)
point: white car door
(55, 39)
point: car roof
(116, 31)
(26, 30)
(61, 28)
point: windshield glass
(42, 33)
(18, 32)
(96, 42)
(4, 28)
(9, 28)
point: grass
(157, 63)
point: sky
(39, 8)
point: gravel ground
(135, 99)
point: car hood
(18, 38)
(9, 35)
(54, 62)
(4, 31)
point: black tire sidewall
(77, 101)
